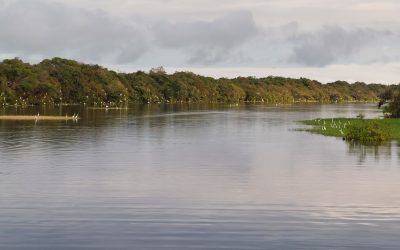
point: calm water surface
(195, 177)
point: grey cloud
(39, 28)
(331, 44)
(207, 42)
(34, 29)
(43, 28)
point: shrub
(367, 132)
(393, 107)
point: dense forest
(58, 81)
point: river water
(195, 177)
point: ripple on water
(195, 178)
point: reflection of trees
(154, 136)
(93, 126)
(377, 151)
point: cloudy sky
(354, 40)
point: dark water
(195, 177)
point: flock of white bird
(75, 117)
(339, 125)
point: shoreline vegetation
(365, 131)
(60, 81)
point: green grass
(338, 127)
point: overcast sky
(354, 40)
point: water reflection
(387, 150)
(195, 177)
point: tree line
(58, 80)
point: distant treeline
(60, 80)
